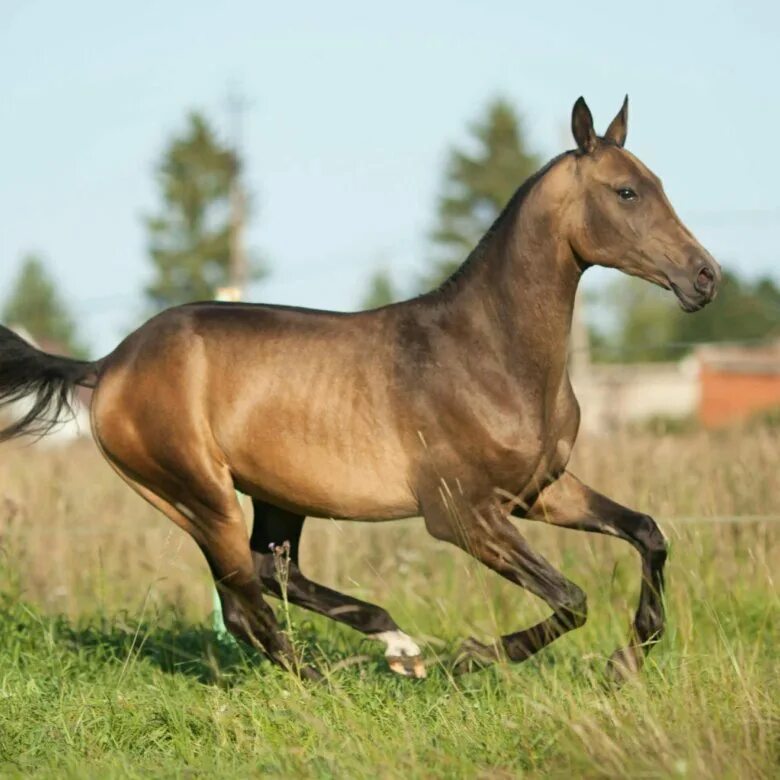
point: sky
(352, 108)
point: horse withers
(455, 405)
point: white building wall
(611, 396)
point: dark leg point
(624, 664)
(472, 656)
(311, 674)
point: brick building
(736, 382)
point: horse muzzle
(695, 291)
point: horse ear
(582, 126)
(618, 127)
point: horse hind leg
(216, 523)
(274, 526)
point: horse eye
(626, 193)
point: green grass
(108, 666)
(119, 698)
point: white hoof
(403, 655)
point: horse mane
(509, 212)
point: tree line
(188, 240)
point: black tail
(48, 379)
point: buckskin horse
(455, 405)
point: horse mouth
(687, 303)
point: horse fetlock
(376, 623)
(258, 632)
(472, 656)
(656, 545)
(310, 673)
(650, 626)
(624, 664)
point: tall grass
(108, 667)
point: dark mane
(514, 205)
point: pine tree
(478, 185)
(35, 305)
(381, 291)
(189, 240)
(646, 323)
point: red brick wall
(728, 397)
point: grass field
(108, 665)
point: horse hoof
(473, 656)
(622, 665)
(407, 665)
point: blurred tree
(742, 310)
(189, 240)
(381, 291)
(641, 322)
(647, 324)
(35, 304)
(477, 186)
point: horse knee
(574, 608)
(655, 545)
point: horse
(455, 406)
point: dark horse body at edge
(455, 406)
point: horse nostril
(705, 279)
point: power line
(769, 217)
(681, 345)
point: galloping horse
(455, 405)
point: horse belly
(319, 481)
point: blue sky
(352, 111)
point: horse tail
(48, 379)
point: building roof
(761, 358)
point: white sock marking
(398, 644)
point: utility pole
(238, 269)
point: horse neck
(517, 294)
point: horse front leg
(571, 504)
(484, 531)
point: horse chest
(533, 462)
(533, 450)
